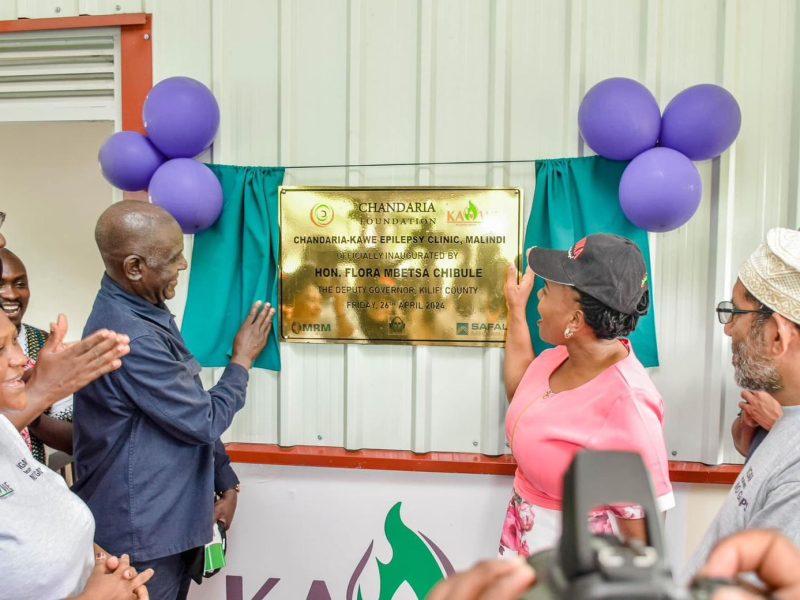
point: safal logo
(417, 563)
(468, 216)
(322, 215)
(462, 328)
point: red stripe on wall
(434, 462)
(72, 22)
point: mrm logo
(298, 327)
(417, 564)
(466, 216)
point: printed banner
(353, 534)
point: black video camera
(586, 566)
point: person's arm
(120, 583)
(519, 348)
(767, 553)
(742, 432)
(502, 579)
(169, 392)
(761, 408)
(225, 486)
(253, 335)
(53, 432)
(632, 529)
(171, 395)
(64, 369)
(628, 428)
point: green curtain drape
(576, 197)
(235, 263)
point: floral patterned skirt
(529, 528)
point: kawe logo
(416, 561)
(417, 564)
(467, 216)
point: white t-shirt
(46, 531)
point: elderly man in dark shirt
(147, 436)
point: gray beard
(751, 370)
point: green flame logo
(472, 212)
(414, 561)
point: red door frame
(136, 54)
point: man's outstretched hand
(253, 334)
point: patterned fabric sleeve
(61, 410)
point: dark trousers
(172, 574)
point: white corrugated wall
(344, 82)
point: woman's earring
(568, 333)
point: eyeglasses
(727, 310)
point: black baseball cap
(607, 267)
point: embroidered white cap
(772, 273)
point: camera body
(585, 566)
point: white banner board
(316, 533)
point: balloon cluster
(181, 117)
(660, 189)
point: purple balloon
(181, 116)
(619, 118)
(128, 160)
(660, 190)
(189, 191)
(701, 121)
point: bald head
(138, 241)
(133, 227)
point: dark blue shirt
(146, 435)
(758, 437)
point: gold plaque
(397, 265)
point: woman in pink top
(589, 392)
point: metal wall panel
(36, 9)
(109, 7)
(350, 82)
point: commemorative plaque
(397, 265)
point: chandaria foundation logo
(417, 564)
(322, 214)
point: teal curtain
(235, 263)
(576, 197)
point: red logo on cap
(576, 251)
